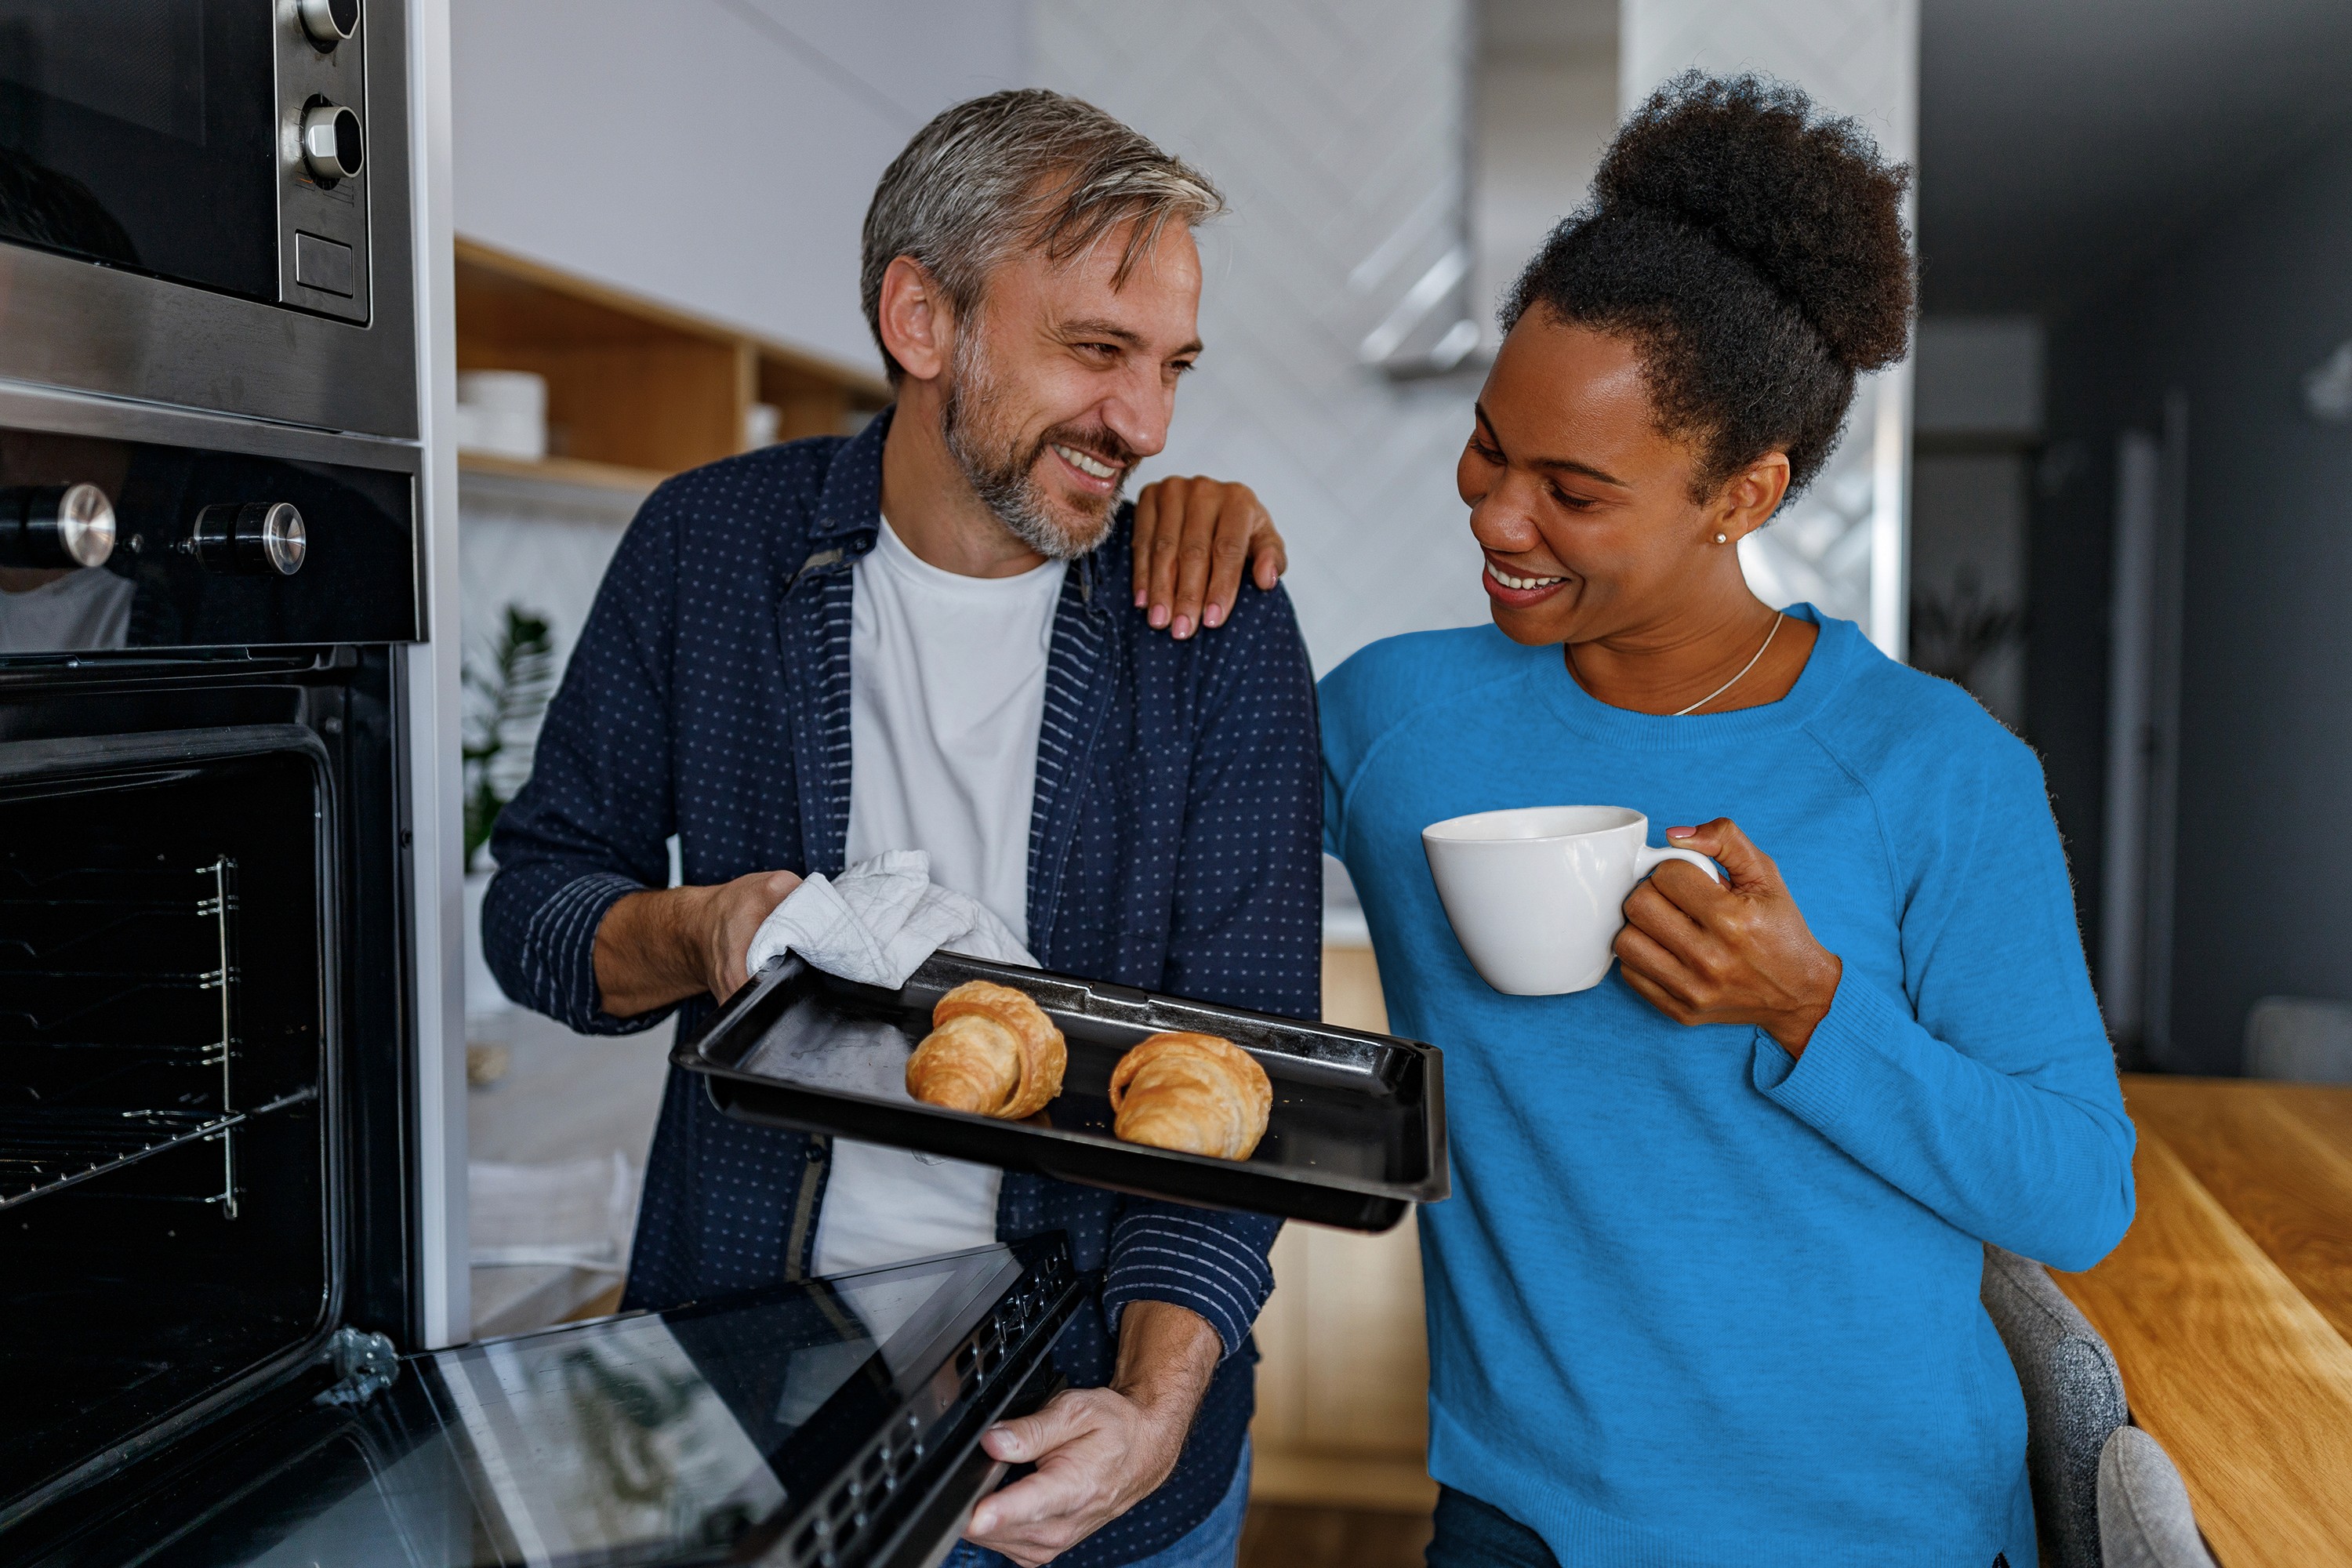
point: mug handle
(1648, 860)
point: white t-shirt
(946, 690)
(89, 608)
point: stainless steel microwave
(186, 212)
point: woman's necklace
(1736, 679)
(1680, 712)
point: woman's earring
(1723, 539)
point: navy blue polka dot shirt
(1174, 845)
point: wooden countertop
(2228, 1307)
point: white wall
(1546, 108)
(715, 154)
(1843, 544)
(718, 154)
(1339, 135)
(541, 549)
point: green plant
(508, 693)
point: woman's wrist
(1794, 1029)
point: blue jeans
(1215, 1543)
(1473, 1534)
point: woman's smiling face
(1581, 504)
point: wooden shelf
(637, 390)
(576, 472)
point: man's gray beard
(1006, 480)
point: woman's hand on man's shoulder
(1193, 538)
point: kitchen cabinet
(637, 391)
(1342, 1392)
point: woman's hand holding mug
(1702, 953)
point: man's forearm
(1167, 1354)
(649, 951)
(655, 948)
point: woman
(1707, 1290)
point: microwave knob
(249, 537)
(332, 143)
(329, 22)
(55, 525)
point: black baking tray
(1356, 1136)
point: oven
(210, 1124)
(827, 1424)
(206, 1037)
(190, 205)
(219, 1050)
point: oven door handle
(992, 1479)
(926, 1540)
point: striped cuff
(559, 953)
(1213, 1264)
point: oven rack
(59, 966)
(21, 883)
(200, 1052)
(55, 1148)
(60, 937)
(42, 928)
(32, 953)
(106, 990)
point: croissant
(1196, 1093)
(991, 1050)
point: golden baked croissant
(991, 1049)
(1197, 1093)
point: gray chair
(2301, 1039)
(2144, 1516)
(2074, 1401)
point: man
(915, 638)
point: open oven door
(831, 1422)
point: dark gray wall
(2234, 317)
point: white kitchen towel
(879, 921)
(576, 1213)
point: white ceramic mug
(1537, 896)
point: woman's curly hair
(1754, 251)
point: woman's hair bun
(1804, 199)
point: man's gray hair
(1024, 170)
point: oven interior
(166, 1116)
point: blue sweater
(1694, 1302)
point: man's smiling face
(1065, 379)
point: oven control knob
(331, 143)
(249, 537)
(329, 22)
(55, 525)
